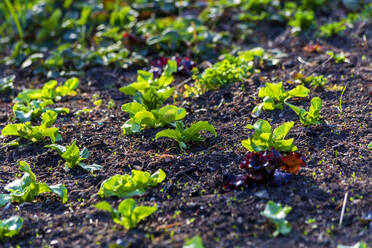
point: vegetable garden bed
(190, 181)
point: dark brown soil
(192, 200)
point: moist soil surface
(192, 201)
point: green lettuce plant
(141, 118)
(332, 29)
(50, 90)
(317, 82)
(277, 214)
(27, 188)
(130, 185)
(338, 57)
(10, 227)
(302, 20)
(255, 10)
(149, 91)
(311, 117)
(185, 135)
(73, 156)
(6, 85)
(128, 214)
(265, 139)
(32, 110)
(195, 242)
(35, 133)
(274, 96)
(230, 70)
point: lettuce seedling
(338, 57)
(141, 118)
(27, 188)
(265, 139)
(128, 214)
(130, 185)
(32, 110)
(35, 133)
(49, 91)
(274, 96)
(230, 70)
(195, 242)
(73, 156)
(265, 167)
(276, 214)
(6, 85)
(302, 21)
(186, 135)
(332, 29)
(316, 81)
(10, 227)
(312, 117)
(150, 92)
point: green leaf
(25, 167)
(370, 146)
(130, 185)
(90, 167)
(68, 88)
(299, 91)
(84, 153)
(193, 131)
(72, 155)
(264, 139)
(60, 190)
(261, 126)
(132, 108)
(128, 90)
(11, 130)
(5, 199)
(168, 133)
(169, 114)
(128, 214)
(104, 206)
(195, 242)
(269, 104)
(10, 227)
(282, 131)
(49, 118)
(171, 67)
(313, 116)
(299, 111)
(140, 213)
(126, 207)
(51, 132)
(277, 214)
(157, 177)
(130, 127)
(247, 144)
(315, 107)
(285, 145)
(145, 118)
(274, 91)
(60, 149)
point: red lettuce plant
(265, 167)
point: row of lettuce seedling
(271, 157)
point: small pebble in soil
(262, 194)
